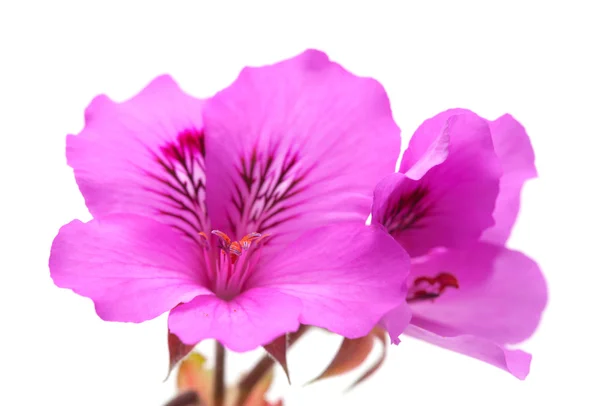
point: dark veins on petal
(263, 197)
(429, 288)
(183, 183)
(406, 211)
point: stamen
(247, 240)
(235, 248)
(224, 240)
(231, 262)
(429, 288)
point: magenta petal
(132, 267)
(426, 136)
(254, 318)
(514, 149)
(143, 156)
(296, 145)
(347, 277)
(442, 202)
(516, 362)
(396, 321)
(500, 300)
(501, 296)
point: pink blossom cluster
(244, 216)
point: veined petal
(144, 156)
(346, 275)
(296, 145)
(254, 318)
(514, 149)
(132, 267)
(499, 301)
(446, 197)
(516, 362)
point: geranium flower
(452, 206)
(242, 215)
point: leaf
(177, 351)
(193, 375)
(351, 354)
(278, 350)
(381, 335)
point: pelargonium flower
(452, 206)
(242, 215)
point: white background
(537, 60)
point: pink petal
(516, 362)
(132, 267)
(426, 136)
(143, 156)
(500, 300)
(254, 318)
(514, 149)
(395, 322)
(296, 145)
(347, 276)
(446, 198)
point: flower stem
(219, 383)
(263, 366)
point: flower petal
(395, 321)
(284, 147)
(500, 300)
(514, 149)
(132, 267)
(144, 156)
(347, 276)
(254, 318)
(426, 137)
(516, 362)
(441, 202)
(501, 296)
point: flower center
(231, 261)
(430, 288)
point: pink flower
(452, 206)
(243, 215)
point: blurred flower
(243, 214)
(452, 206)
(194, 376)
